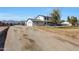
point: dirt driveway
(22, 38)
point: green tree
(62, 21)
(68, 19)
(72, 20)
(55, 16)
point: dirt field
(22, 38)
(73, 33)
(69, 34)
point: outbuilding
(29, 22)
(66, 24)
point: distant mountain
(13, 22)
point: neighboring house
(66, 24)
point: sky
(23, 13)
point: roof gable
(43, 16)
(30, 19)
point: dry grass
(72, 32)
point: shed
(29, 22)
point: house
(40, 20)
(66, 24)
(43, 18)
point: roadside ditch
(3, 35)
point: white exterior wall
(29, 23)
(41, 18)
